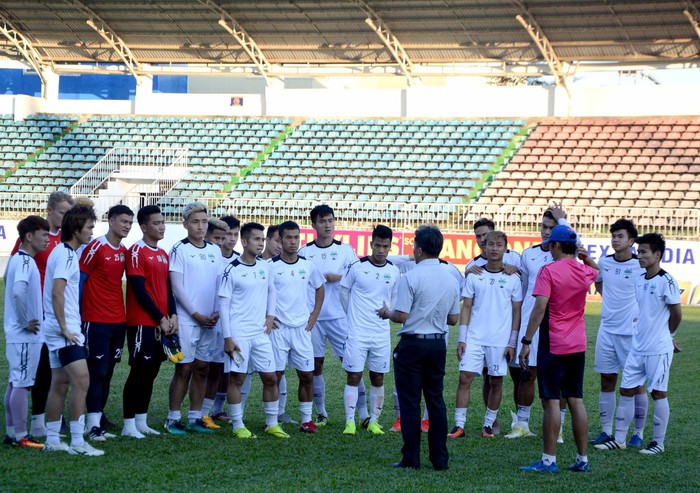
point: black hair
(382, 232)
(118, 210)
(248, 228)
(232, 221)
(484, 222)
(656, 242)
(145, 213)
(567, 247)
(74, 221)
(429, 239)
(319, 211)
(548, 214)
(287, 226)
(627, 225)
(31, 224)
(271, 230)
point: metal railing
(679, 224)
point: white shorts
(23, 359)
(377, 355)
(196, 343)
(292, 345)
(215, 352)
(257, 356)
(532, 359)
(652, 370)
(336, 331)
(611, 352)
(478, 357)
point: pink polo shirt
(565, 282)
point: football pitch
(330, 461)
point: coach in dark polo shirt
(428, 296)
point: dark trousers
(419, 364)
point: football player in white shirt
(531, 261)
(65, 341)
(370, 284)
(511, 265)
(653, 344)
(273, 243)
(217, 379)
(195, 265)
(618, 317)
(23, 316)
(291, 339)
(488, 332)
(332, 258)
(248, 301)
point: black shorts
(143, 345)
(104, 340)
(70, 354)
(560, 375)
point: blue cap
(563, 234)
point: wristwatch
(527, 342)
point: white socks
(76, 432)
(350, 399)
(38, 427)
(236, 413)
(219, 403)
(549, 459)
(606, 405)
(130, 430)
(245, 390)
(142, 425)
(174, 416)
(305, 408)
(207, 405)
(524, 415)
(53, 428)
(362, 401)
(625, 414)
(320, 394)
(641, 406)
(662, 414)
(193, 416)
(283, 395)
(93, 420)
(460, 416)
(490, 417)
(271, 413)
(376, 402)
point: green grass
(330, 461)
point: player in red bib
(150, 308)
(58, 204)
(102, 267)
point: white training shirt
(619, 312)
(405, 264)
(62, 264)
(200, 267)
(654, 295)
(511, 257)
(531, 261)
(22, 269)
(491, 320)
(333, 259)
(291, 284)
(371, 286)
(247, 287)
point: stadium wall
(413, 102)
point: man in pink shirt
(560, 298)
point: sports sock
(562, 413)
(460, 416)
(19, 404)
(193, 416)
(129, 425)
(606, 405)
(38, 428)
(376, 402)
(76, 432)
(141, 420)
(93, 420)
(350, 400)
(662, 413)
(236, 413)
(361, 404)
(549, 459)
(174, 416)
(305, 408)
(271, 412)
(9, 429)
(245, 390)
(426, 416)
(490, 417)
(581, 458)
(207, 404)
(53, 428)
(320, 394)
(283, 394)
(219, 403)
(397, 408)
(625, 413)
(641, 408)
(524, 414)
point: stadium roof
(267, 35)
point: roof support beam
(25, 47)
(234, 28)
(112, 39)
(543, 44)
(389, 39)
(691, 13)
